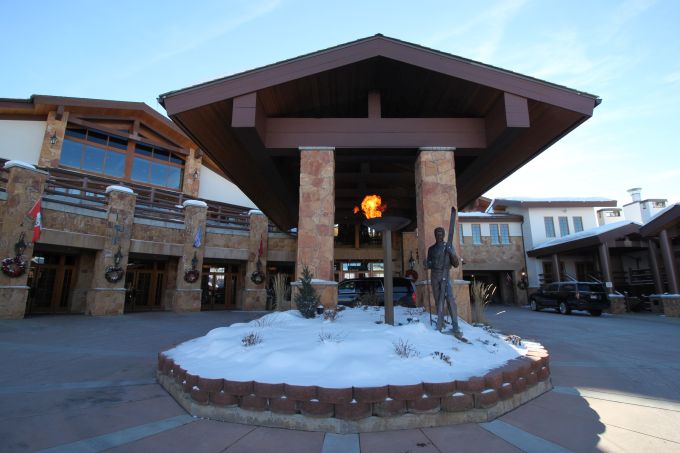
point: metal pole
(387, 252)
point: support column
(669, 262)
(654, 263)
(108, 297)
(255, 297)
(557, 275)
(605, 267)
(24, 187)
(316, 220)
(50, 152)
(436, 193)
(186, 295)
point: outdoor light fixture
(195, 174)
(53, 138)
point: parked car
(350, 291)
(567, 296)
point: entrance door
(144, 283)
(49, 281)
(220, 285)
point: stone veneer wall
(360, 409)
(157, 234)
(65, 221)
(317, 212)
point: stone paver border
(360, 409)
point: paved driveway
(73, 383)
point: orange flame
(372, 206)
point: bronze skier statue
(440, 257)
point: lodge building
(143, 213)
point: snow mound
(357, 349)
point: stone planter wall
(360, 409)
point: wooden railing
(89, 191)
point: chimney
(635, 193)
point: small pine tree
(306, 299)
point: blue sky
(626, 52)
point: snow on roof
(586, 233)
(483, 214)
(555, 199)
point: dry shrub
(251, 339)
(481, 296)
(404, 349)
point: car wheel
(597, 312)
(564, 308)
(534, 305)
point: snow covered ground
(357, 349)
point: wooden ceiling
(376, 101)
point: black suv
(567, 296)
(351, 290)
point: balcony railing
(82, 190)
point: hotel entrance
(144, 285)
(220, 284)
(50, 279)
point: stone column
(105, 297)
(50, 152)
(192, 173)
(654, 263)
(436, 194)
(669, 262)
(186, 295)
(255, 295)
(24, 187)
(316, 220)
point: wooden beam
(508, 112)
(135, 138)
(60, 113)
(375, 132)
(248, 123)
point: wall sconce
(53, 138)
(195, 174)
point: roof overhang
(377, 101)
(584, 240)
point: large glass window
(578, 224)
(476, 234)
(157, 166)
(460, 234)
(505, 233)
(564, 226)
(549, 227)
(493, 229)
(98, 152)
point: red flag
(35, 214)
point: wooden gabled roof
(376, 100)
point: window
(98, 152)
(476, 234)
(564, 225)
(156, 166)
(505, 233)
(493, 229)
(460, 234)
(549, 227)
(578, 224)
(93, 151)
